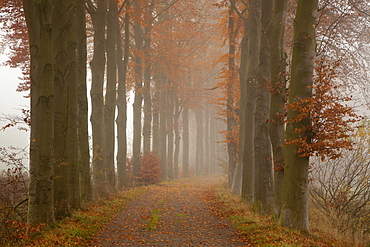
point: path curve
(175, 214)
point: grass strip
(262, 230)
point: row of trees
(164, 55)
(291, 104)
(160, 51)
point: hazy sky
(11, 102)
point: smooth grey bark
(295, 194)
(252, 27)
(40, 33)
(97, 65)
(235, 173)
(121, 99)
(206, 141)
(155, 111)
(278, 96)
(185, 141)
(61, 170)
(199, 166)
(83, 134)
(110, 93)
(163, 127)
(264, 181)
(212, 143)
(177, 137)
(72, 80)
(138, 99)
(147, 125)
(170, 134)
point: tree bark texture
(83, 134)
(110, 93)
(185, 141)
(138, 100)
(252, 29)
(97, 103)
(264, 181)
(61, 100)
(121, 99)
(295, 209)
(41, 190)
(278, 92)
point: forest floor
(174, 214)
(183, 212)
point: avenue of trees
(275, 73)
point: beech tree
(295, 209)
(41, 194)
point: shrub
(150, 172)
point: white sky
(11, 102)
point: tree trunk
(235, 185)
(97, 65)
(41, 190)
(72, 80)
(83, 134)
(177, 137)
(212, 143)
(170, 135)
(199, 143)
(206, 140)
(185, 141)
(136, 143)
(264, 181)
(147, 125)
(253, 35)
(121, 99)
(278, 85)
(295, 210)
(61, 99)
(162, 128)
(110, 93)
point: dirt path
(175, 214)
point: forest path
(177, 213)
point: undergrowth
(261, 230)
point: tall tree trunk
(147, 125)
(278, 85)
(295, 210)
(121, 99)
(163, 127)
(110, 93)
(41, 190)
(235, 184)
(253, 36)
(177, 137)
(212, 143)
(136, 143)
(83, 134)
(170, 135)
(72, 80)
(61, 100)
(206, 140)
(185, 141)
(97, 65)
(156, 110)
(264, 182)
(199, 143)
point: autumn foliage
(150, 172)
(331, 118)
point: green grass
(262, 230)
(78, 229)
